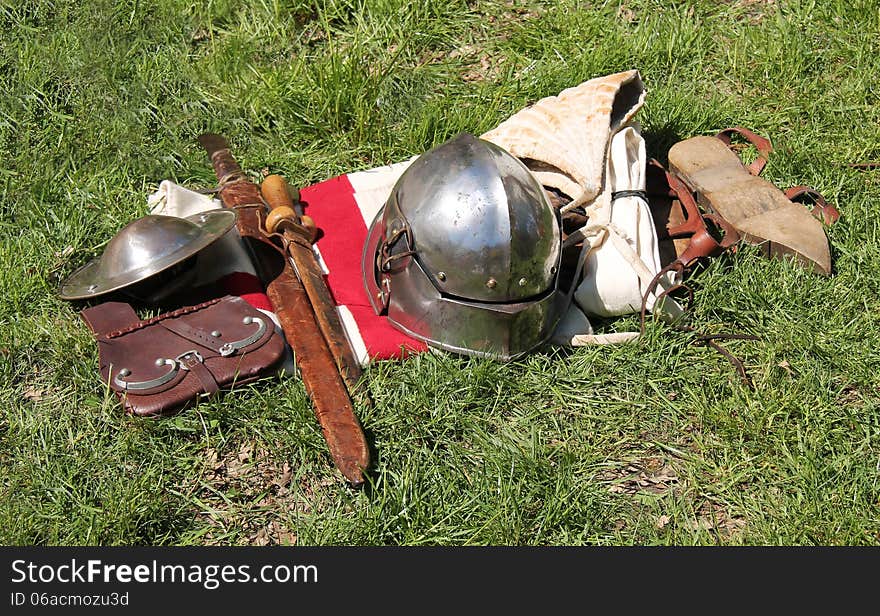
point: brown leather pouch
(161, 365)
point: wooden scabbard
(323, 381)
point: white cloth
(625, 255)
(623, 252)
(564, 139)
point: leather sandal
(758, 211)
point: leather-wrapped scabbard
(322, 380)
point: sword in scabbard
(290, 300)
(298, 233)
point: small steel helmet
(465, 253)
(145, 248)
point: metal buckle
(183, 359)
(181, 362)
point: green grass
(651, 443)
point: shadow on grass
(659, 140)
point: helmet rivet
(441, 276)
(216, 333)
(522, 282)
(125, 372)
(491, 283)
(92, 288)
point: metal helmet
(465, 253)
(144, 248)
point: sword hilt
(283, 213)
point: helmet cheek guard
(465, 253)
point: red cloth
(249, 288)
(339, 218)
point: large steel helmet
(465, 253)
(144, 248)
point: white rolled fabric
(617, 272)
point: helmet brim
(90, 281)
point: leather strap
(193, 363)
(762, 144)
(702, 243)
(108, 317)
(193, 334)
(822, 210)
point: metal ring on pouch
(231, 347)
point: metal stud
(441, 276)
(522, 282)
(124, 372)
(216, 333)
(491, 283)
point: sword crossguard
(283, 219)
